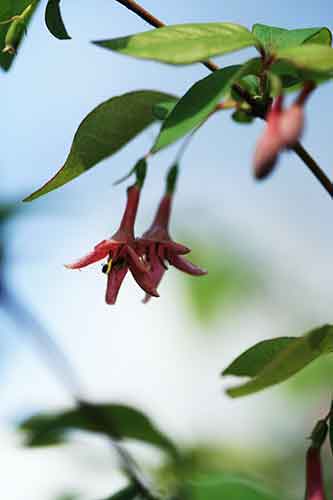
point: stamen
(106, 269)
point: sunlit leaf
(195, 106)
(183, 43)
(273, 38)
(8, 9)
(103, 132)
(116, 421)
(53, 20)
(284, 362)
(309, 58)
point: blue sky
(281, 224)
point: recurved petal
(100, 251)
(176, 248)
(185, 265)
(115, 278)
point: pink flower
(314, 478)
(121, 252)
(157, 247)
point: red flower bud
(292, 125)
(314, 478)
(270, 143)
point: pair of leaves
(273, 361)
(115, 421)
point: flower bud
(292, 125)
(270, 143)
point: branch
(314, 168)
(298, 148)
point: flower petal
(157, 270)
(185, 265)
(100, 252)
(115, 279)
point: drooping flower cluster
(145, 257)
(283, 130)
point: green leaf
(273, 38)
(183, 43)
(276, 363)
(252, 361)
(54, 22)
(116, 421)
(8, 9)
(228, 487)
(163, 109)
(309, 58)
(103, 132)
(195, 106)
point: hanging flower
(157, 247)
(120, 251)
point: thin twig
(157, 23)
(314, 168)
(298, 148)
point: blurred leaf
(54, 22)
(273, 38)
(309, 58)
(116, 421)
(129, 493)
(103, 132)
(8, 9)
(284, 362)
(183, 43)
(195, 106)
(229, 487)
(315, 378)
(229, 279)
(252, 361)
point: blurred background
(267, 247)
